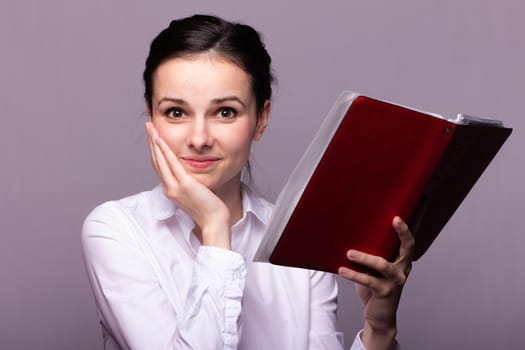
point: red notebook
(370, 161)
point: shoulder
(128, 204)
(117, 215)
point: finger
(149, 126)
(378, 286)
(171, 160)
(157, 155)
(371, 262)
(361, 278)
(163, 169)
(390, 277)
(406, 248)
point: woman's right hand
(206, 209)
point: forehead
(204, 76)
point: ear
(262, 120)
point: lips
(200, 163)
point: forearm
(144, 319)
(148, 306)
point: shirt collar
(162, 207)
(253, 205)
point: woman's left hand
(381, 293)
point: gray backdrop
(72, 137)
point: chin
(215, 185)
(211, 184)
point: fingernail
(351, 254)
(399, 222)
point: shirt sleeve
(323, 299)
(357, 344)
(135, 309)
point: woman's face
(204, 108)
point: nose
(199, 137)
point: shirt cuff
(224, 272)
(219, 266)
(358, 344)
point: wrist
(374, 337)
(217, 234)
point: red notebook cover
(384, 160)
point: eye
(174, 113)
(226, 112)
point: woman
(171, 268)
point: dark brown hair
(197, 34)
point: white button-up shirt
(156, 287)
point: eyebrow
(171, 99)
(214, 101)
(229, 98)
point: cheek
(173, 136)
(241, 138)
